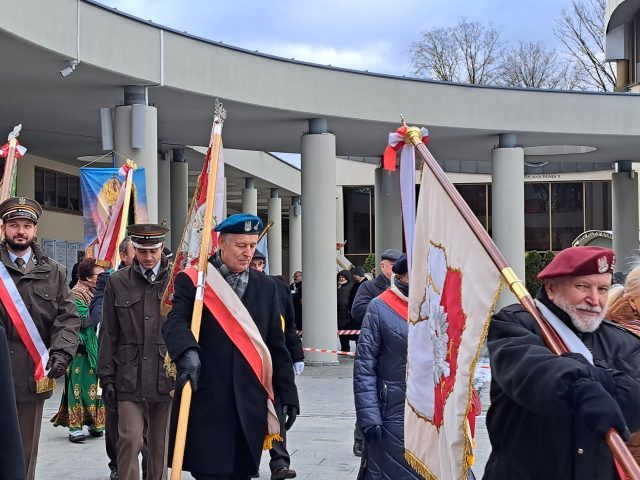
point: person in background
(296, 295)
(74, 275)
(623, 309)
(379, 384)
(358, 276)
(344, 290)
(79, 404)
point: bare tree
(581, 30)
(469, 52)
(532, 65)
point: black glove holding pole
(188, 367)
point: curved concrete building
(159, 87)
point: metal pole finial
(219, 112)
(15, 132)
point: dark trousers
(199, 476)
(344, 342)
(279, 455)
(30, 421)
(111, 442)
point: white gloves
(298, 367)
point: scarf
(83, 293)
(237, 281)
(402, 286)
(622, 313)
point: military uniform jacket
(43, 288)
(228, 416)
(132, 351)
(531, 423)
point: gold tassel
(418, 466)
(45, 384)
(170, 367)
(267, 443)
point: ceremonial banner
(100, 191)
(454, 289)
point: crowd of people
(125, 363)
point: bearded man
(36, 297)
(550, 413)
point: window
(477, 197)
(597, 202)
(567, 213)
(358, 223)
(57, 191)
(536, 216)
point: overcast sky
(369, 35)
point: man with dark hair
(43, 314)
(127, 254)
(296, 296)
(232, 407)
(550, 413)
(131, 359)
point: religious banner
(100, 190)
(454, 289)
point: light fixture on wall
(65, 72)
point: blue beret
(400, 266)
(240, 223)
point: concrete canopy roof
(269, 99)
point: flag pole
(10, 163)
(215, 143)
(125, 209)
(413, 136)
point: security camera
(65, 72)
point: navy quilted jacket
(379, 388)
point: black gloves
(600, 374)
(373, 433)
(57, 364)
(598, 410)
(109, 397)
(290, 412)
(188, 366)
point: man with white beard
(549, 414)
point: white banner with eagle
(454, 290)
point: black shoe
(282, 472)
(114, 475)
(77, 438)
(93, 433)
(357, 448)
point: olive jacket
(131, 352)
(43, 288)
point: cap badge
(146, 228)
(22, 201)
(247, 226)
(603, 265)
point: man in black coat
(228, 416)
(280, 458)
(296, 295)
(550, 413)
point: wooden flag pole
(128, 186)
(215, 143)
(10, 163)
(554, 342)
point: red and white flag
(454, 289)
(20, 150)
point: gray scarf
(237, 281)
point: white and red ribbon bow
(20, 150)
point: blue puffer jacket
(379, 388)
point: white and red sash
(231, 314)
(397, 304)
(26, 328)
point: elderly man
(131, 356)
(36, 290)
(232, 415)
(549, 414)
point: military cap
(401, 266)
(359, 271)
(147, 235)
(576, 261)
(20, 207)
(390, 254)
(258, 255)
(240, 223)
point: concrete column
(388, 217)
(507, 198)
(179, 195)
(340, 215)
(319, 303)
(274, 235)
(624, 193)
(249, 197)
(295, 237)
(136, 137)
(164, 185)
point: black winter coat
(343, 300)
(291, 339)
(531, 423)
(367, 292)
(379, 386)
(228, 416)
(354, 325)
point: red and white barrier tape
(339, 332)
(324, 350)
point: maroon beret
(575, 261)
